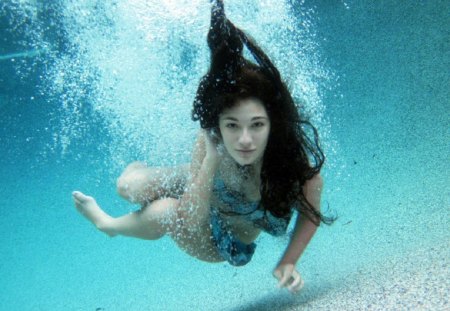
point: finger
(296, 284)
(296, 289)
(284, 280)
(277, 274)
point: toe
(79, 196)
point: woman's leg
(151, 223)
(194, 240)
(142, 184)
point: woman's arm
(142, 184)
(304, 230)
(195, 202)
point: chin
(244, 162)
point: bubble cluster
(135, 65)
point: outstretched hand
(288, 277)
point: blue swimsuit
(230, 248)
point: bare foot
(88, 207)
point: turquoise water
(86, 87)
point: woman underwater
(252, 166)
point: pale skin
(179, 205)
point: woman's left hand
(288, 277)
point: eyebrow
(253, 119)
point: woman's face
(245, 130)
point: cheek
(226, 139)
(265, 136)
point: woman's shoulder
(316, 182)
(312, 190)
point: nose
(245, 139)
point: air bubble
(141, 57)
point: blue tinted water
(86, 87)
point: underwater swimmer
(250, 167)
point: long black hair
(291, 157)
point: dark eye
(231, 125)
(258, 124)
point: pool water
(87, 87)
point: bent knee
(129, 186)
(123, 187)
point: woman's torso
(236, 197)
